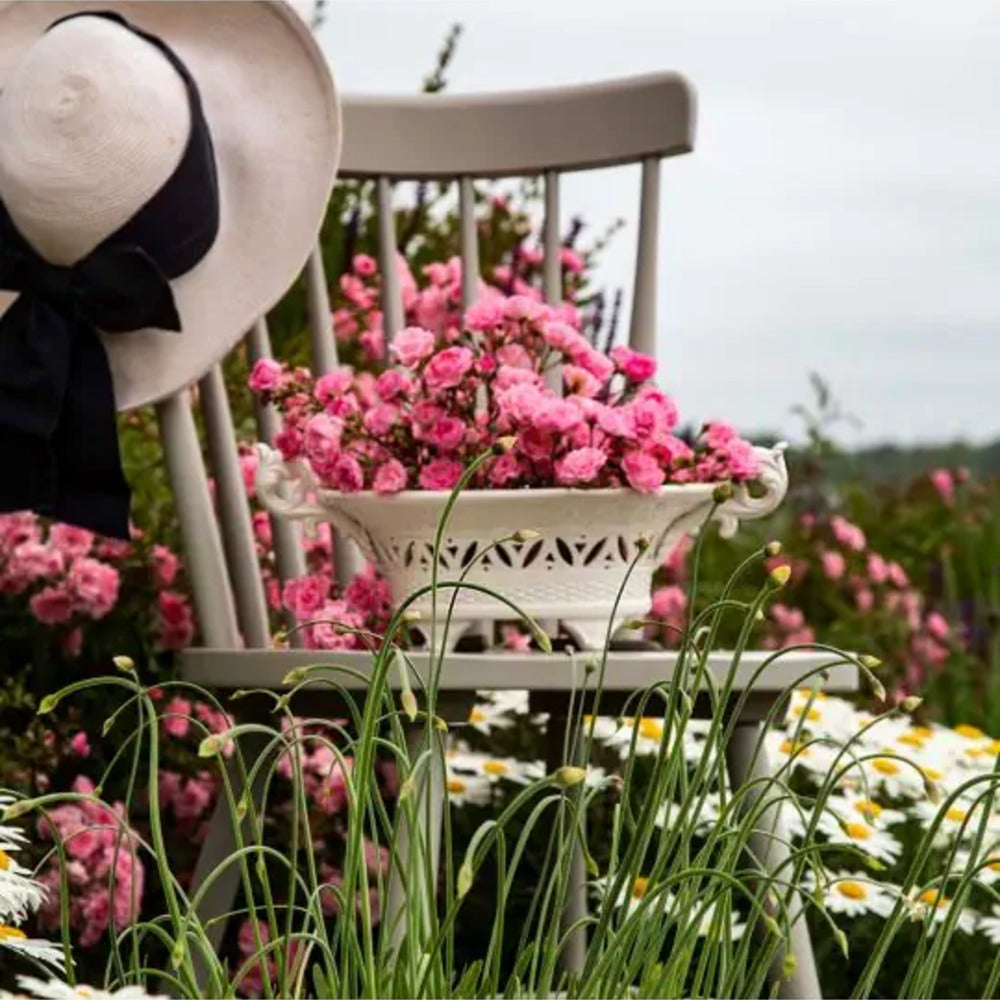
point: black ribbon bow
(58, 429)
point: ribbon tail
(91, 490)
(34, 365)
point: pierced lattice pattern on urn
(456, 555)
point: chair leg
(574, 953)
(803, 984)
(220, 844)
(425, 838)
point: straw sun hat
(164, 170)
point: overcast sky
(840, 212)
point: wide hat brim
(273, 113)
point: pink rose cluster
(97, 844)
(434, 303)
(452, 396)
(324, 775)
(68, 576)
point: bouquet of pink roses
(452, 395)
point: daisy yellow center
(639, 887)
(858, 831)
(868, 809)
(925, 732)
(816, 695)
(811, 714)
(885, 765)
(912, 740)
(790, 747)
(456, 786)
(852, 890)
(994, 864)
(4, 860)
(933, 897)
(955, 814)
(477, 715)
(969, 732)
(651, 729)
(932, 773)
(495, 767)
(11, 932)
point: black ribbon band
(58, 429)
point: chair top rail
(540, 672)
(518, 133)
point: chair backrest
(461, 139)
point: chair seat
(554, 673)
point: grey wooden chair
(461, 139)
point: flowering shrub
(457, 392)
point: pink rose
(937, 626)
(558, 415)
(381, 419)
(392, 384)
(165, 565)
(347, 474)
(504, 469)
(643, 472)
(176, 625)
(266, 375)
(634, 366)
(390, 477)
(32, 561)
(897, 575)
(70, 540)
(176, 717)
(305, 595)
(94, 585)
(79, 745)
(878, 570)
(363, 265)
(833, 564)
(440, 474)
(580, 381)
(447, 433)
(944, 483)
(485, 314)
(333, 385)
(599, 365)
(72, 643)
(447, 368)
(53, 605)
(412, 345)
(580, 467)
(848, 535)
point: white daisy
(489, 715)
(822, 715)
(46, 952)
(708, 812)
(804, 753)
(56, 990)
(959, 819)
(990, 926)
(853, 894)
(515, 702)
(648, 732)
(853, 804)
(986, 863)
(736, 926)
(469, 788)
(19, 893)
(856, 832)
(631, 895)
(495, 768)
(896, 778)
(932, 905)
